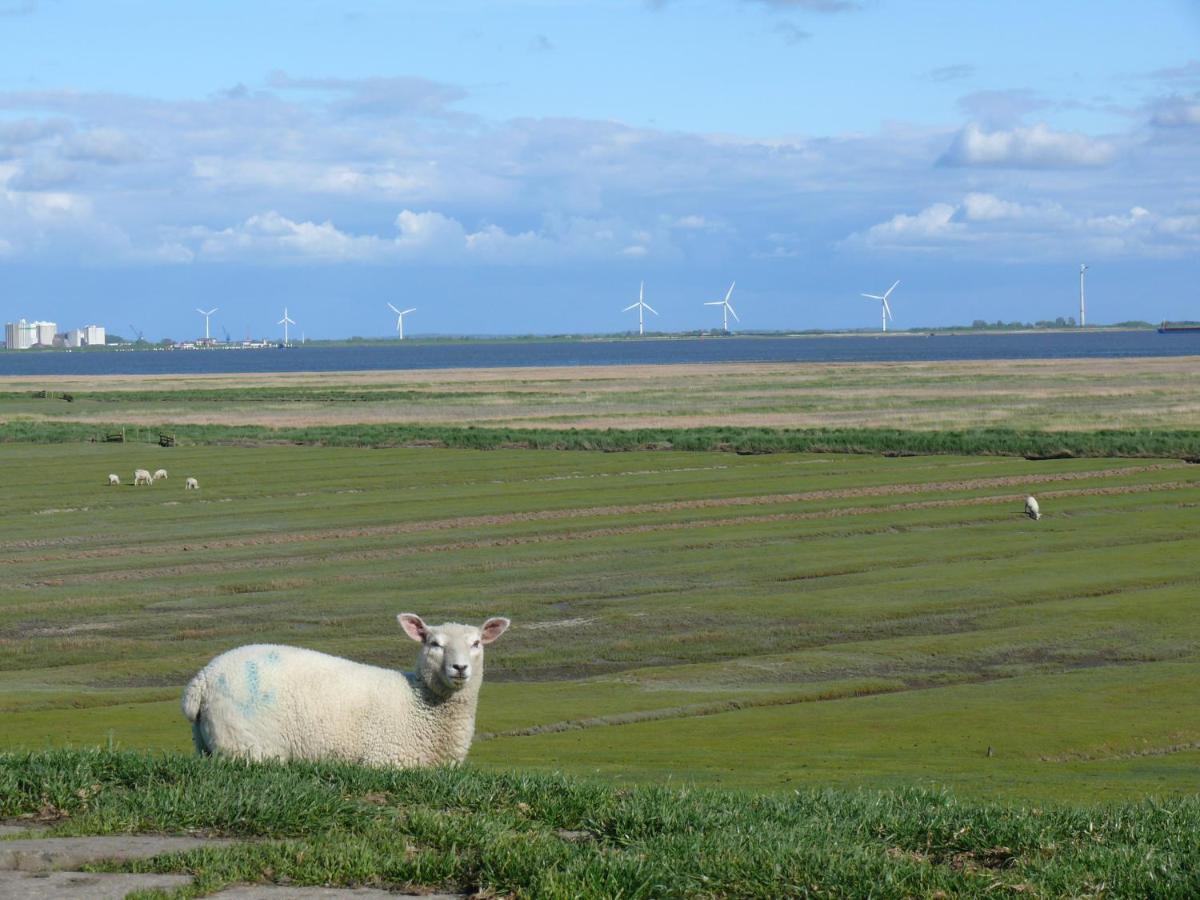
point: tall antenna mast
(1082, 312)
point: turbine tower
(285, 322)
(726, 308)
(206, 317)
(641, 306)
(1082, 311)
(885, 311)
(400, 314)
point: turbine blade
(730, 292)
(732, 313)
(888, 292)
(407, 311)
(873, 296)
(651, 308)
(631, 306)
(642, 292)
(714, 303)
(393, 309)
(887, 309)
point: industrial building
(22, 335)
(88, 336)
(19, 335)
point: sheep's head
(451, 654)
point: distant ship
(1180, 328)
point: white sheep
(114, 479)
(191, 485)
(160, 473)
(266, 701)
(142, 476)
(1032, 509)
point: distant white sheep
(159, 474)
(114, 479)
(191, 485)
(142, 476)
(265, 701)
(1032, 509)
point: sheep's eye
(477, 645)
(435, 645)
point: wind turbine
(285, 322)
(206, 316)
(641, 306)
(137, 332)
(726, 308)
(885, 311)
(400, 314)
(1082, 316)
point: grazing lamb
(160, 473)
(266, 701)
(114, 479)
(191, 485)
(142, 476)
(1032, 509)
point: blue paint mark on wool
(256, 698)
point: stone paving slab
(83, 885)
(37, 867)
(49, 854)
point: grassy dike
(1132, 442)
(551, 836)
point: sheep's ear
(413, 626)
(493, 628)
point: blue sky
(515, 167)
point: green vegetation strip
(887, 441)
(550, 836)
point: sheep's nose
(460, 668)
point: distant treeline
(885, 441)
(1060, 322)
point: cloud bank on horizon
(402, 173)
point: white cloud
(989, 207)
(420, 237)
(987, 226)
(1177, 112)
(315, 170)
(933, 222)
(693, 222)
(102, 145)
(1035, 147)
(44, 223)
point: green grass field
(761, 622)
(549, 836)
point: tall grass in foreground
(550, 836)
(966, 442)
